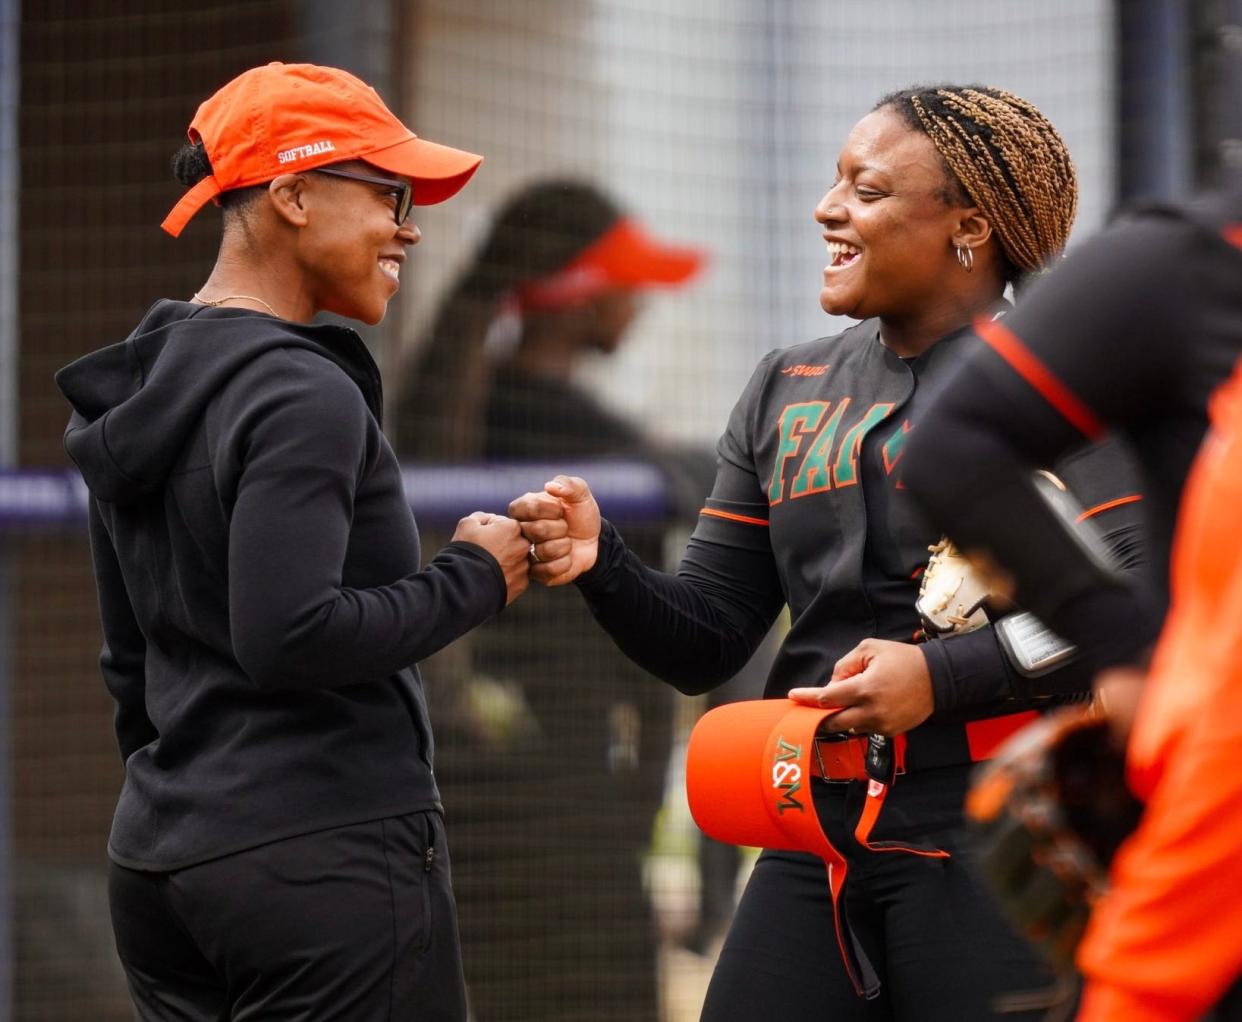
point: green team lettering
(795, 422)
(893, 448)
(815, 475)
(845, 471)
(787, 775)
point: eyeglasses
(403, 190)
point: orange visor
(625, 256)
(748, 775)
(748, 780)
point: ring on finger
(533, 556)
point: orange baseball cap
(748, 775)
(283, 118)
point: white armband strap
(1031, 647)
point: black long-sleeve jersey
(809, 509)
(1134, 332)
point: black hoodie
(259, 583)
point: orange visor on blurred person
(624, 256)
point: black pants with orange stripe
(355, 924)
(940, 948)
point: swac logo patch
(805, 370)
(787, 776)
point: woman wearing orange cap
(942, 197)
(277, 849)
(556, 280)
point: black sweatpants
(356, 923)
(942, 952)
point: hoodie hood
(136, 403)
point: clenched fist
(562, 525)
(502, 538)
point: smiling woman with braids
(942, 196)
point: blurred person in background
(560, 745)
(278, 850)
(1137, 331)
(943, 196)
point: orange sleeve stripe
(732, 517)
(1233, 235)
(1009, 346)
(1108, 505)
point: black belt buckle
(881, 759)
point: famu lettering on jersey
(825, 465)
(787, 776)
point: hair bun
(191, 164)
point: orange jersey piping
(1009, 346)
(732, 517)
(1108, 505)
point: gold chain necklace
(214, 302)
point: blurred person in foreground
(277, 849)
(560, 745)
(1136, 331)
(942, 196)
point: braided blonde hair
(1006, 158)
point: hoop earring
(966, 257)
